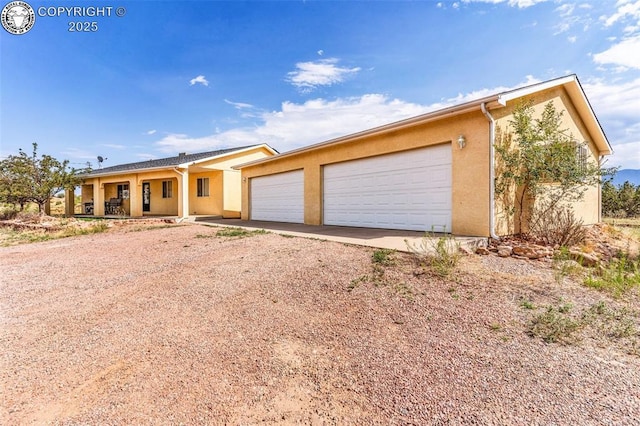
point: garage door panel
(407, 190)
(278, 197)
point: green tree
(629, 198)
(610, 201)
(14, 185)
(540, 165)
(621, 201)
(28, 178)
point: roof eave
(263, 145)
(573, 87)
(580, 99)
(172, 167)
(124, 172)
(398, 125)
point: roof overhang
(387, 128)
(215, 157)
(125, 172)
(181, 166)
(579, 99)
(500, 100)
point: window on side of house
(123, 190)
(167, 189)
(203, 187)
(582, 155)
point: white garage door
(278, 197)
(408, 190)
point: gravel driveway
(179, 326)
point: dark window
(203, 187)
(121, 190)
(582, 156)
(167, 189)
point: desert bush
(382, 257)
(8, 213)
(621, 275)
(555, 325)
(560, 324)
(563, 265)
(556, 225)
(239, 232)
(441, 253)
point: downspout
(492, 172)
(180, 219)
(600, 162)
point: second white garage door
(278, 197)
(408, 190)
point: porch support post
(98, 198)
(183, 204)
(69, 202)
(135, 200)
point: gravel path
(179, 326)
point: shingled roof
(165, 162)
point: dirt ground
(177, 325)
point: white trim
(505, 97)
(203, 160)
(95, 173)
(570, 82)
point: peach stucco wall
(588, 209)
(470, 180)
(470, 165)
(224, 187)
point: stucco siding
(588, 209)
(210, 204)
(232, 200)
(470, 171)
(160, 205)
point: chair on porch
(113, 206)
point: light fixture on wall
(462, 142)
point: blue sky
(192, 76)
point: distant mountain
(633, 176)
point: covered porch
(194, 192)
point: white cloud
(114, 146)
(145, 156)
(324, 72)
(199, 80)
(238, 105)
(297, 125)
(151, 132)
(626, 156)
(77, 153)
(626, 8)
(617, 106)
(623, 54)
(566, 9)
(572, 39)
(246, 110)
(522, 4)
